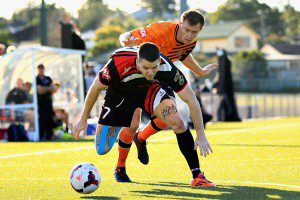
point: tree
(119, 18)
(158, 7)
(92, 14)
(6, 36)
(250, 64)
(106, 38)
(291, 19)
(249, 10)
(30, 17)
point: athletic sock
(186, 145)
(154, 126)
(125, 141)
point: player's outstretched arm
(190, 63)
(91, 98)
(188, 96)
(126, 40)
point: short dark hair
(193, 17)
(40, 66)
(148, 51)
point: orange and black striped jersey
(164, 35)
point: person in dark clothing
(45, 88)
(227, 110)
(17, 95)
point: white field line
(46, 152)
(225, 132)
(249, 183)
(151, 140)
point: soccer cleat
(120, 175)
(142, 150)
(201, 181)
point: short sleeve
(104, 77)
(171, 76)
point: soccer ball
(85, 178)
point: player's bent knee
(105, 138)
(178, 126)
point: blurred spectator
(89, 75)
(205, 115)
(89, 79)
(45, 88)
(2, 49)
(61, 119)
(17, 95)
(27, 88)
(207, 86)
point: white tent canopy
(62, 65)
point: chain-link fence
(253, 105)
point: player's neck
(179, 35)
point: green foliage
(274, 38)
(6, 36)
(92, 14)
(158, 7)
(127, 22)
(249, 64)
(106, 38)
(248, 10)
(291, 19)
(30, 16)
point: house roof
(220, 30)
(286, 48)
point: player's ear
(138, 64)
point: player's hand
(129, 42)
(79, 126)
(203, 145)
(208, 68)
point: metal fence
(249, 105)
(252, 105)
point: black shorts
(119, 112)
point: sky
(8, 7)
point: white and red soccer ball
(85, 178)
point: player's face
(189, 33)
(148, 69)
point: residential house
(283, 63)
(232, 36)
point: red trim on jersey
(151, 94)
(182, 88)
(125, 63)
(100, 81)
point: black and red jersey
(124, 80)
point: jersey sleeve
(172, 76)
(154, 32)
(104, 77)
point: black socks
(186, 145)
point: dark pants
(46, 124)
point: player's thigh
(168, 112)
(136, 120)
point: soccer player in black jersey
(144, 79)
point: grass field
(251, 160)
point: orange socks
(152, 127)
(125, 141)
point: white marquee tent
(62, 65)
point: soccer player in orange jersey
(176, 41)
